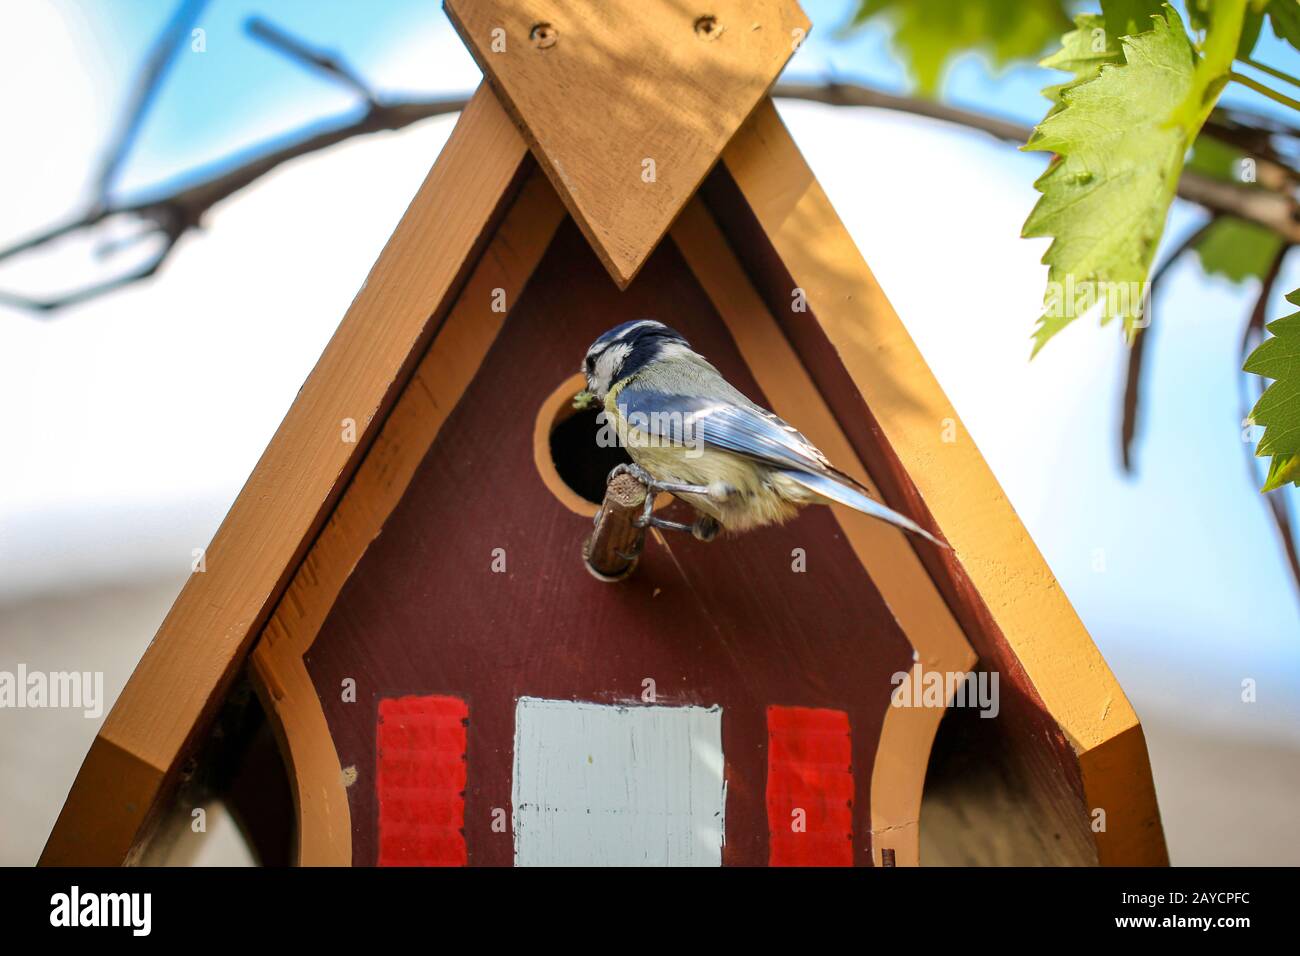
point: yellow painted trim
(446, 370)
(558, 406)
(953, 480)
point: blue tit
(691, 433)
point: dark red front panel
(729, 623)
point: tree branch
(1277, 211)
(95, 289)
(147, 85)
(328, 63)
(1137, 352)
(173, 213)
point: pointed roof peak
(627, 104)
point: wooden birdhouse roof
(628, 106)
(546, 169)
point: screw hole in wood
(543, 35)
(707, 28)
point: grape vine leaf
(1120, 138)
(1284, 15)
(928, 33)
(1237, 249)
(1213, 157)
(1124, 18)
(1231, 247)
(1278, 409)
(1250, 30)
(1107, 191)
(1084, 50)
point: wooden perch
(611, 552)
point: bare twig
(1277, 211)
(1268, 122)
(836, 93)
(1270, 203)
(95, 289)
(328, 63)
(146, 88)
(176, 213)
(1272, 170)
(1137, 353)
(1279, 508)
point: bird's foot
(718, 491)
(633, 469)
(705, 528)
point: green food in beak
(584, 400)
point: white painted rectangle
(611, 785)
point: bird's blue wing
(829, 487)
(758, 434)
(741, 429)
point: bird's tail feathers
(828, 486)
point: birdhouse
(402, 580)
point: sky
(133, 420)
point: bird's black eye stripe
(590, 363)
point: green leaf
(1084, 51)
(1120, 139)
(1284, 15)
(1213, 157)
(1085, 48)
(1278, 409)
(1126, 18)
(929, 33)
(1283, 469)
(1250, 28)
(1237, 249)
(1106, 193)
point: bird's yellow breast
(760, 497)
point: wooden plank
(182, 676)
(453, 358)
(883, 550)
(628, 103)
(995, 578)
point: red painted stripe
(420, 783)
(809, 768)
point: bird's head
(625, 350)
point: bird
(692, 433)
